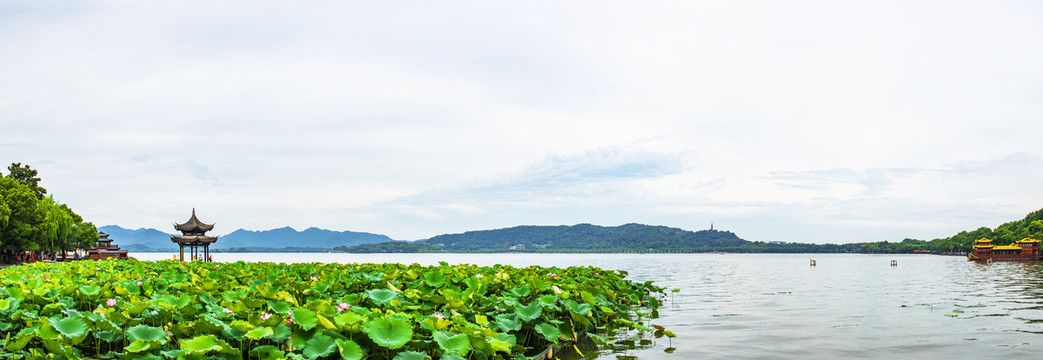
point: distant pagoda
(193, 235)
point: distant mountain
(139, 239)
(575, 238)
(288, 237)
(275, 239)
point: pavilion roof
(193, 239)
(193, 224)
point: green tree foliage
(31, 222)
(26, 176)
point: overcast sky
(805, 121)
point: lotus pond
(197, 310)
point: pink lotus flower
(479, 276)
(111, 302)
(343, 306)
(216, 266)
(597, 274)
(102, 314)
(288, 322)
(265, 316)
(229, 312)
(439, 316)
(552, 275)
(314, 278)
(139, 283)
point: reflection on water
(758, 306)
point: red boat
(1024, 249)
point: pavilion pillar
(182, 248)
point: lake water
(763, 306)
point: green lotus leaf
(268, 352)
(70, 327)
(577, 308)
(305, 318)
(279, 307)
(90, 290)
(319, 346)
(138, 345)
(145, 332)
(348, 318)
(459, 344)
(16, 292)
(499, 345)
(507, 323)
(172, 354)
(529, 312)
(349, 350)
(434, 278)
(203, 344)
(259, 333)
(390, 333)
(19, 341)
(282, 332)
(242, 326)
(48, 332)
(411, 355)
(549, 332)
(381, 296)
(451, 356)
(521, 291)
(5, 304)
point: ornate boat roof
(193, 224)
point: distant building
(105, 249)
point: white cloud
(813, 120)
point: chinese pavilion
(193, 235)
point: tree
(26, 176)
(22, 226)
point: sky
(797, 121)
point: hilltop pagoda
(193, 235)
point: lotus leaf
(138, 345)
(434, 278)
(349, 350)
(549, 332)
(529, 312)
(389, 333)
(70, 327)
(381, 296)
(145, 332)
(203, 344)
(305, 318)
(259, 333)
(411, 355)
(458, 344)
(318, 346)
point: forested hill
(585, 237)
(575, 238)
